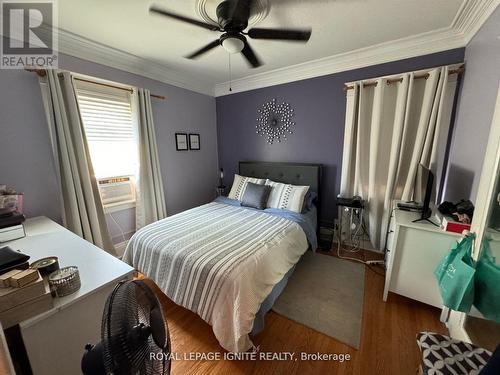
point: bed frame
(288, 173)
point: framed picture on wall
(181, 141)
(194, 141)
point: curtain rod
(459, 70)
(43, 73)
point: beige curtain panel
(150, 198)
(389, 130)
(83, 212)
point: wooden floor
(387, 340)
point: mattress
(221, 261)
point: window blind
(108, 120)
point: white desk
(55, 339)
(413, 252)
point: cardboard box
(27, 310)
(11, 297)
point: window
(108, 120)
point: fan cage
(129, 305)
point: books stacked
(23, 294)
(11, 224)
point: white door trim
(491, 164)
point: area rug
(326, 294)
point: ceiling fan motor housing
(231, 19)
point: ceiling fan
(233, 18)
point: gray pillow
(256, 196)
(309, 201)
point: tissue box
(449, 225)
(14, 201)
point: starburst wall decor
(275, 121)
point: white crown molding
(422, 44)
(472, 15)
(469, 19)
(77, 46)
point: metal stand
(355, 210)
(425, 219)
(354, 216)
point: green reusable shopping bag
(487, 285)
(455, 276)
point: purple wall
(475, 111)
(319, 105)
(25, 152)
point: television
(424, 185)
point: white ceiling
(338, 26)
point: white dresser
(55, 340)
(413, 252)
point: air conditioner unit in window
(116, 190)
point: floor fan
(134, 334)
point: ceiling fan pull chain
(230, 76)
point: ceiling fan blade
(298, 35)
(250, 55)
(178, 17)
(204, 49)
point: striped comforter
(219, 261)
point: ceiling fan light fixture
(233, 17)
(233, 45)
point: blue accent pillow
(256, 196)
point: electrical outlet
(382, 262)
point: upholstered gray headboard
(289, 173)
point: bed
(229, 263)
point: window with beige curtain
(392, 125)
(108, 119)
(82, 209)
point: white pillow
(286, 196)
(240, 184)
